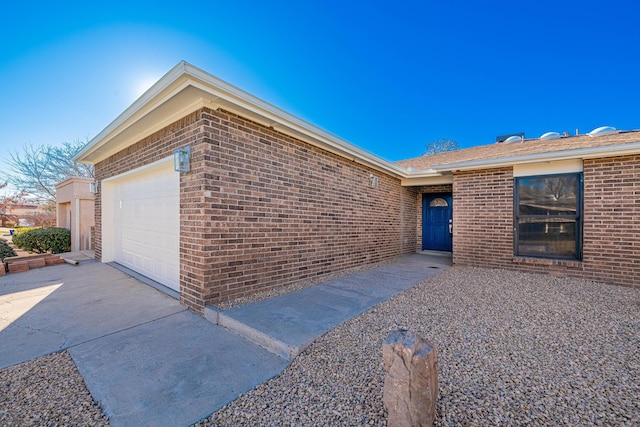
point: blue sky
(386, 76)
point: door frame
(426, 198)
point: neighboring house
(23, 212)
(269, 199)
(75, 211)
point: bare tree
(440, 145)
(561, 187)
(37, 170)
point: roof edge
(170, 77)
(280, 119)
(578, 153)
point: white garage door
(144, 210)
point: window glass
(554, 195)
(438, 202)
(547, 215)
(547, 237)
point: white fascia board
(142, 123)
(579, 153)
(282, 121)
(146, 98)
(217, 92)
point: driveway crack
(128, 328)
(49, 331)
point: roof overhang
(186, 89)
(630, 148)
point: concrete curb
(265, 341)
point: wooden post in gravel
(411, 381)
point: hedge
(42, 240)
(5, 251)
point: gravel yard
(513, 349)
(48, 391)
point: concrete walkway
(287, 324)
(149, 361)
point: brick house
(21, 213)
(262, 199)
(565, 205)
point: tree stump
(411, 381)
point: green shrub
(5, 251)
(18, 240)
(43, 240)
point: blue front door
(437, 222)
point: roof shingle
(528, 147)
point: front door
(437, 222)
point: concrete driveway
(149, 361)
(145, 358)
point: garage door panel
(146, 210)
(170, 240)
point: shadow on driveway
(145, 358)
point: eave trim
(579, 153)
(184, 75)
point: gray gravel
(513, 349)
(48, 391)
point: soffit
(186, 89)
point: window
(438, 202)
(548, 222)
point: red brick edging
(18, 264)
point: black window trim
(578, 216)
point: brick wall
(408, 230)
(483, 223)
(186, 131)
(483, 217)
(612, 220)
(280, 210)
(427, 189)
(260, 209)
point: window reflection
(548, 195)
(548, 216)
